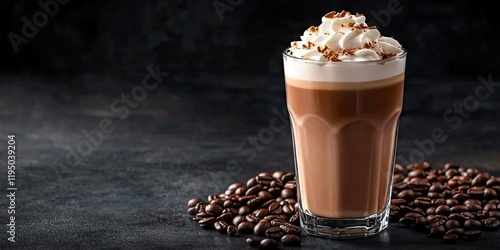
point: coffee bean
(291, 185)
(200, 207)
(480, 179)
(261, 227)
(450, 238)
(268, 243)
(261, 212)
(452, 224)
(493, 181)
(295, 218)
(435, 195)
(438, 201)
(421, 222)
(472, 224)
(474, 207)
(254, 190)
(461, 197)
(265, 180)
(235, 185)
(407, 195)
(443, 209)
(245, 227)
(288, 209)
(277, 222)
(194, 201)
(459, 209)
(244, 210)
(241, 190)
(252, 182)
(227, 217)
(231, 230)
(275, 208)
(192, 211)
(394, 211)
(477, 192)
(417, 173)
(290, 228)
(274, 232)
(252, 218)
(221, 226)
(491, 223)
(489, 193)
(398, 202)
(287, 177)
(228, 204)
(408, 221)
(278, 174)
(273, 217)
(290, 240)
(400, 186)
(436, 221)
(265, 195)
(452, 202)
(468, 215)
(207, 223)
(472, 234)
(457, 231)
(287, 193)
(495, 214)
(254, 202)
(253, 242)
(239, 219)
(437, 231)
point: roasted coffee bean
(443, 209)
(278, 174)
(254, 190)
(218, 201)
(268, 243)
(265, 195)
(476, 192)
(468, 215)
(274, 232)
(244, 210)
(430, 210)
(435, 195)
(207, 223)
(438, 201)
(228, 204)
(472, 224)
(295, 218)
(290, 228)
(265, 180)
(417, 173)
(239, 219)
(245, 198)
(194, 201)
(451, 224)
(200, 207)
(421, 222)
(398, 202)
(457, 231)
(394, 211)
(474, 207)
(233, 211)
(287, 177)
(261, 227)
(278, 222)
(254, 202)
(252, 218)
(192, 211)
(491, 223)
(291, 185)
(272, 217)
(245, 227)
(227, 217)
(472, 234)
(493, 181)
(480, 179)
(458, 217)
(461, 197)
(481, 214)
(422, 202)
(252, 182)
(400, 186)
(221, 226)
(451, 202)
(275, 208)
(253, 242)
(288, 209)
(261, 212)
(407, 221)
(437, 231)
(495, 214)
(235, 185)
(212, 197)
(489, 193)
(407, 195)
(290, 240)
(459, 209)
(231, 230)
(450, 238)
(287, 193)
(241, 190)
(436, 221)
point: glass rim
(380, 61)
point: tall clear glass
(344, 118)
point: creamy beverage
(344, 92)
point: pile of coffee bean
(265, 206)
(451, 202)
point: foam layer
(368, 71)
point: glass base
(344, 228)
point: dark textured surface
(131, 192)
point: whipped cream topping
(344, 37)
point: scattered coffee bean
(268, 243)
(245, 227)
(207, 223)
(253, 242)
(472, 224)
(194, 201)
(450, 238)
(491, 223)
(290, 228)
(290, 240)
(473, 234)
(231, 230)
(274, 232)
(261, 227)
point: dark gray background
(225, 82)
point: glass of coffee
(344, 92)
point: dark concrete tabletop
(129, 188)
